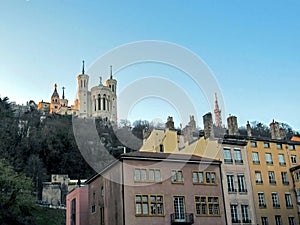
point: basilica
(98, 102)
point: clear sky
(252, 47)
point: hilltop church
(98, 102)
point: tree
(16, 199)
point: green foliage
(16, 200)
(46, 216)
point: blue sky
(252, 47)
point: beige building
(55, 191)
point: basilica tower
(112, 85)
(83, 93)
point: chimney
(282, 133)
(170, 123)
(274, 128)
(232, 125)
(249, 133)
(208, 126)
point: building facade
(77, 206)
(237, 185)
(157, 188)
(274, 194)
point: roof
(167, 156)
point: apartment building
(157, 188)
(237, 185)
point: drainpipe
(223, 194)
(123, 201)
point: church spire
(82, 66)
(111, 77)
(55, 94)
(217, 111)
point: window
(93, 208)
(242, 183)
(213, 206)
(272, 177)
(297, 175)
(102, 216)
(284, 178)
(255, 157)
(154, 175)
(227, 155)
(234, 213)
(275, 200)
(210, 177)
(294, 158)
(198, 177)
(230, 183)
(261, 200)
(73, 211)
(264, 220)
(207, 206)
(144, 175)
(258, 177)
(238, 156)
(292, 147)
(145, 202)
(292, 220)
(156, 205)
(266, 145)
(141, 205)
(177, 176)
(161, 148)
(298, 196)
(245, 214)
(278, 220)
(279, 146)
(253, 144)
(288, 200)
(281, 160)
(269, 158)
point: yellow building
(270, 161)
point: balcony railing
(186, 218)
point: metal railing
(185, 218)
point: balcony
(186, 218)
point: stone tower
(83, 98)
(112, 85)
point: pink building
(77, 206)
(157, 188)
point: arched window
(95, 103)
(113, 88)
(104, 102)
(99, 102)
